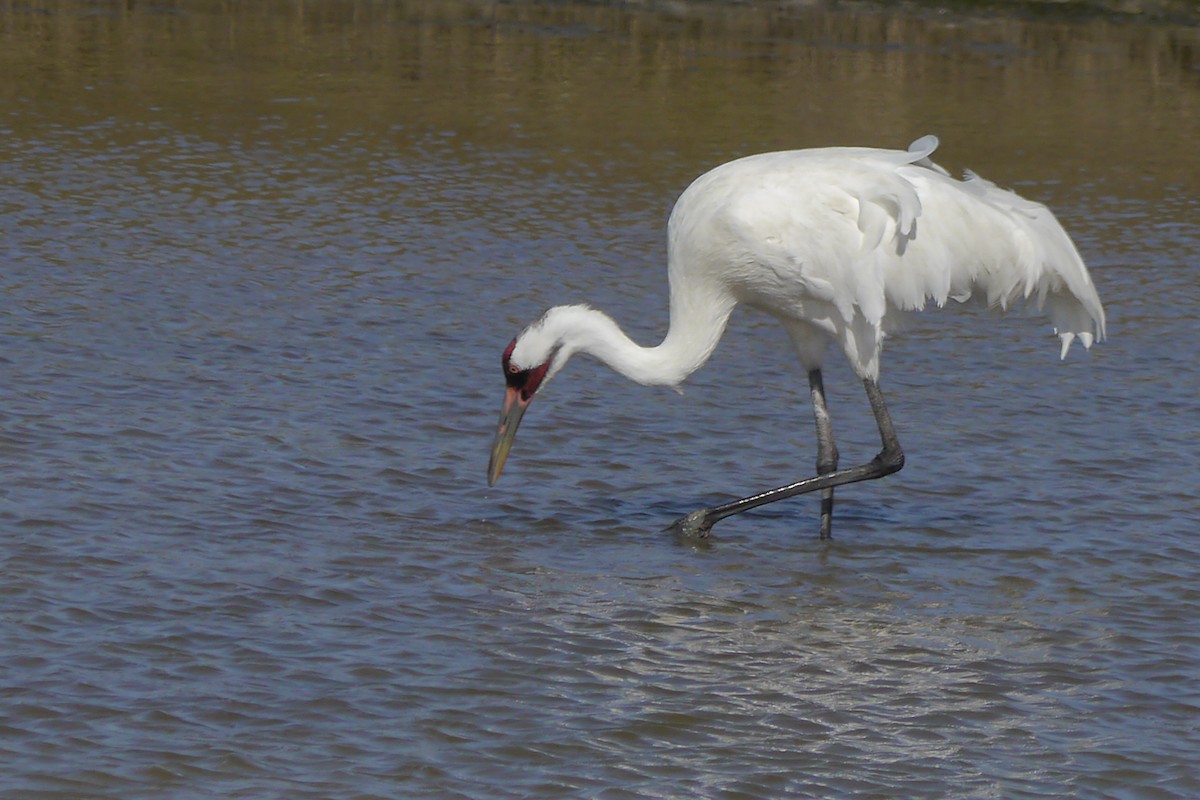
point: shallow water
(258, 269)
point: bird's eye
(513, 369)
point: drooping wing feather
(847, 239)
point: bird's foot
(695, 525)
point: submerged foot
(695, 525)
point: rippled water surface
(258, 266)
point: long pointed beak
(510, 417)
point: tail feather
(1048, 268)
(1072, 319)
(932, 237)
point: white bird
(839, 244)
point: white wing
(848, 239)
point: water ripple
(250, 354)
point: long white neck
(696, 327)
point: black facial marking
(506, 359)
(526, 381)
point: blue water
(250, 374)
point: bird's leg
(827, 453)
(890, 459)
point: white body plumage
(839, 244)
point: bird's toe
(695, 525)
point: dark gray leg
(827, 452)
(889, 460)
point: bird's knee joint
(890, 460)
(827, 460)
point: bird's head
(529, 361)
